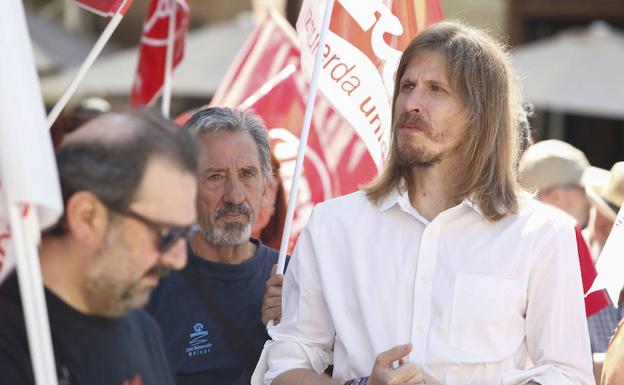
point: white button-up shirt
(482, 302)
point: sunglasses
(167, 234)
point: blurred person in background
(270, 223)
(554, 170)
(71, 119)
(606, 197)
(128, 185)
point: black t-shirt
(89, 350)
(199, 352)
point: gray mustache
(230, 208)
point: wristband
(357, 381)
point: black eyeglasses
(168, 234)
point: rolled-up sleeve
(556, 327)
(305, 336)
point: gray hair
(216, 119)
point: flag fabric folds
(104, 7)
(153, 51)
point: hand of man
(384, 372)
(272, 301)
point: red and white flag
(269, 49)
(360, 56)
(152, 58)
(104, 7)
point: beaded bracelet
(357, 381)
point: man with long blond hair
(441, 270)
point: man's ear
(265, 191)
(87, 218)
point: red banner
(104, 7)
(151, 68)
(268, 50)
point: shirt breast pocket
(487, 319)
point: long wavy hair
(480, 72)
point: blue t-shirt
(196, 345)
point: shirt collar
(400, 196)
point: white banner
(611, 262)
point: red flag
(268, 50)
(104, 7)
(598, 300)
(151, 69)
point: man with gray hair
(210, 312)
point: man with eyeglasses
(128, 183)
(210, 312)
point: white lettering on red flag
(360, 56)
(104, 7)
(152, 57)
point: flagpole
(25, 237)
(303, 141)
(86, 64)
(166, 96)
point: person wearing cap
(554, 170)
(606, 197)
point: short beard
(232, 233)
(410, 157)
(105, 294)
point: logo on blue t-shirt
(198, 345)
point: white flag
(30, 196)
(610, 265)
(28, 176)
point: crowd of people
(465, 261)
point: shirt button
(424, 279)
(420, 329)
